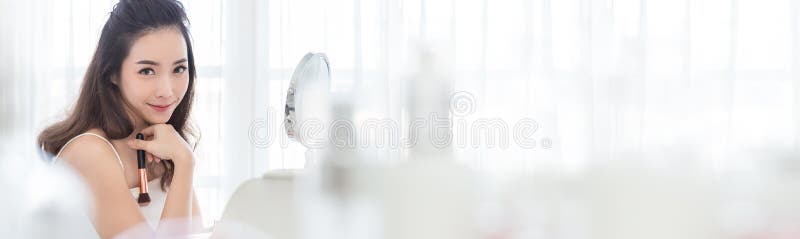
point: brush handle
(142, 167)
(140, 153)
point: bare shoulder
(115, 209)
(92, 156)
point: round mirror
(307, 95)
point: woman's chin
(157, 120)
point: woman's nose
(164, 87)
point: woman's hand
(165, 144)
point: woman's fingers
(153, 158)
(139, 144)
(163, 142)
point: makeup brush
(144, 198)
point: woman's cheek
(183, 87)
(132, 91)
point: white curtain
(603, 80)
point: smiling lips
(160, 108)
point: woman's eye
(147, 71)
(180, 69)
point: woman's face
(155, 75)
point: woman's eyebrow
(179, 61)
(147, 62)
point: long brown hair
(100, 103)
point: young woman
(140, 80)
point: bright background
(604, 79)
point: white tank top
(151, 212)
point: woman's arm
(177, 214)
(197, 218)
(166, 143)
(114, 209)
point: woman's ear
(115, 80)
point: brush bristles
(144, 199)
